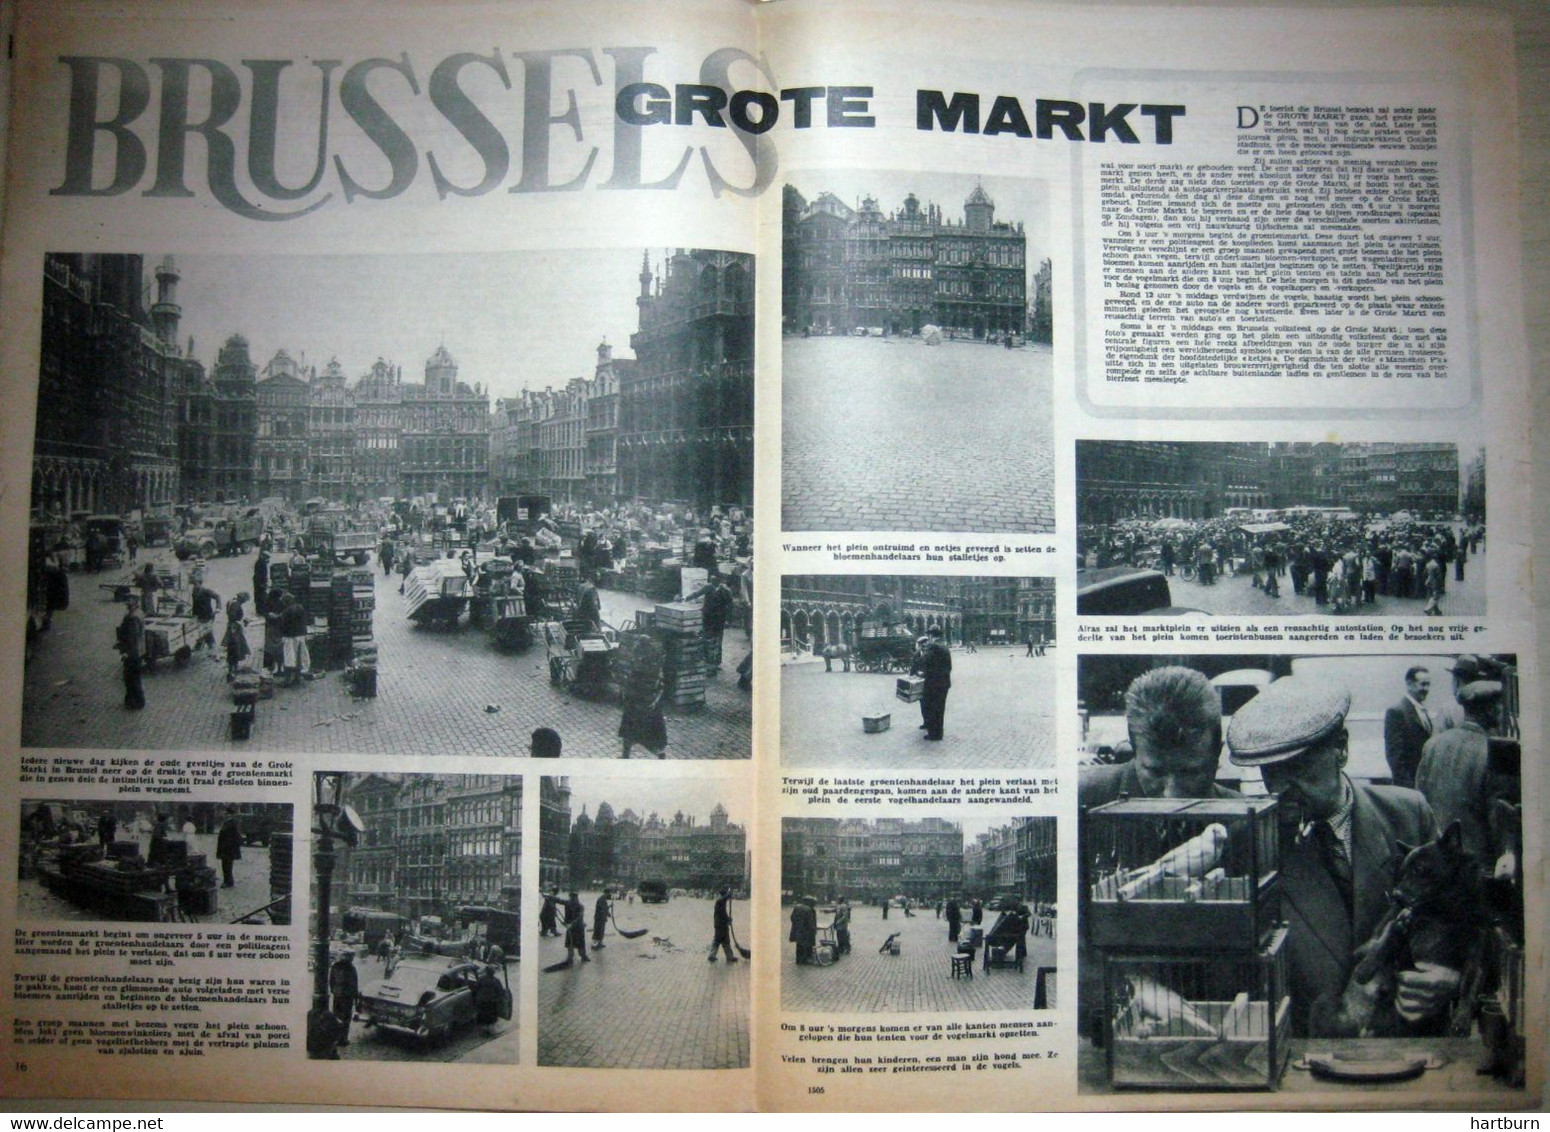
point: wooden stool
(963, 965)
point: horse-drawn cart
(884, 648)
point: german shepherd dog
(1434, 915)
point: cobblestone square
(1000, 713)
(648, 1003)
(434, 689)
(890, 434)
(919, 978)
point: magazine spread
(1020, 556)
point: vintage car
(428, 997)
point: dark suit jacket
(937, 667)
(1322, 932)
(1404, 734)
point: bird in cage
(1195, 861)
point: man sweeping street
(722, 923)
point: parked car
(428, 997)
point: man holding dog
(1338, 846)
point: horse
(831, 653)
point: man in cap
(721, 927)
(1454, 774)
(1466, 669)
(935, 663)
(1337, 844)
(1407, 726)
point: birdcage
(1181, 873)
(1196, 1020)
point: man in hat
(721, 924)
(575, 929)
(935, 663)
(344, 984)
(131, 647)
(1466, 669)
(1408, 725)
(228, 847)
(1337, 844)
(1454, 774)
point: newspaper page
(1140, 394)
(1152, 515)
(380, 418)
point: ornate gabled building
(379, 402)
(331, 437)
(433, 843)
(901, 271)
(685, 425)
(1123, 479)
(623, 849)
(109, 381)
(284, 398)
(444, 445)
(871, 859)
(236, 420)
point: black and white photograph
(916, 359)
(917, 671)
(425, 505)
(911, 914)
(416, 925)
(162, 862)
(1299, 869)
(1377, 529)
(644, 925)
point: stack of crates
(678, 626)
(280, 874)
(341, 616)
(363, 646)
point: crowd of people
(1015, 920)
(1340, 562)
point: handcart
(437, 593)
(511, 627)
(827, 951)
(580, 659)
(173, 637)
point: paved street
(1237, 595)
(1000, 713)
(889, 434)
(650, 1003)
(471, 1045)
(918, 979)
(34, 902)
(433, 691)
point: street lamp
(331, 820)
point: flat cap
(1467, 667)
(1286, 719)
(1480, 692)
